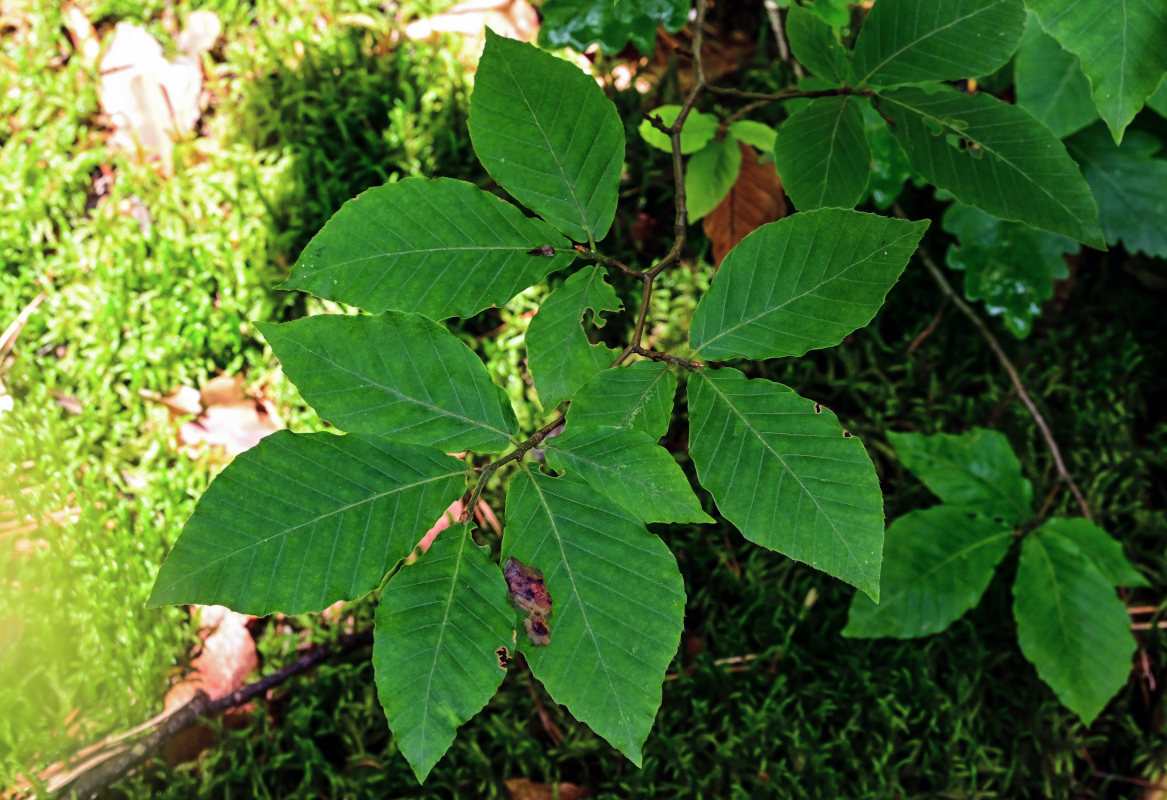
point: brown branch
(788, 94)
(470, 499)
(668, 358)
(112, 759)
(1014, 377)
(599, 258)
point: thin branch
(668, 358)
(470, 499)
(112, 759)
(1014, 377)
(788, 94)
(607, 261)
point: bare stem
(1014, 377)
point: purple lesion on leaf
(528, 594)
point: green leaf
(976, 470)
(836, 13)
(544, 130)
(638, 397)
(397, 375)
(816, 44)
(630, 468)
(802, 283)
(1070, 624)
(783, 470)
(993, 156)
(1096, 544)
(1158, 101)
(442, 248)
(906, 41)
(889, 164)
(822, 154)
(695, 133)
(618, 604)
(1012, 267)
(302, 520)
(709, 176)
(1120, 45)
(438, 628)
(937, 564)
(581, 23)
(558, 351)
(1050, 84)
(1129, 185)
(755, 134)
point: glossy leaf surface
(618, 604)
(1071, 624)
(1120, 45)
(438, 628)
(976, 471)
(802, 283)
(994, 156)
(937, 564)
(402, 376)
(906, 41)
(442, 248)
(822, 154)
(305, 519)
(558, 351)
(638, 397)
(544, 130)
(783, 471)
(580, 23)
(1010, 266)
(630, 468)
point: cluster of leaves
(304, 520)
(940, 560)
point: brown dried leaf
(755, 199)
(229, 419)
(514, 19)
(225, 659)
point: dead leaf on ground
(526, 789)
(150, 101)
(755, 199)
(228, 416)
(514, 19)
(225, 659)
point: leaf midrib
(932, 33)
(757, 435)
(989, 150)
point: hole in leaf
(846, 434)
(504, 657)
(818, 408)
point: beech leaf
(755, 199)
(618, 601)
(937, 563)
(302, 520)
(398, 375)
(441, 247)
(785, 473)
(438, 630)
(544, 130)
(802, 283)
